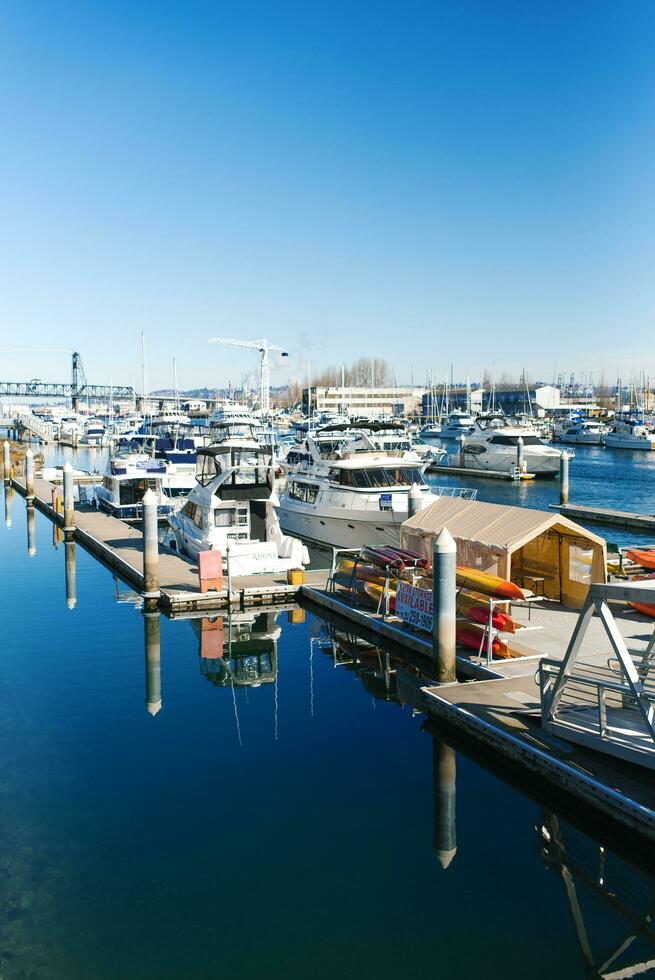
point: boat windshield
(513, 441)
(379, 477)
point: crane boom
(38, 347)
(264, 348)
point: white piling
(71, 589)
(519, 453)
(69, 500)
(414, 500)
(150, 547)
(444, 591)
(564, 478)
(6, 462)
(29, 474)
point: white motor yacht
(459, 424)
(496, 448)
(96, 433)
(126, 480)
(580, 432)
(361, 499)
(232, 507)
(630, 433)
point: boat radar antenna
(264, 349)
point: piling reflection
(8, 495)
(69, 559)
(151, 631)
(597, 881)
(31, 531)
(444, 772)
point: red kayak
(647, 608)
(475, 638)
(383, 558)
(644, 558)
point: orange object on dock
(210, 571)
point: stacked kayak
(376, 573)
(643, 557)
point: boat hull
(348, 531)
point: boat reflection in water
(239, 650)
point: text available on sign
(414, 606)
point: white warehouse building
(364, 402)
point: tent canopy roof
(494, 525)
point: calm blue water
(282, 830)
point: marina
(327, 459)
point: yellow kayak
(472, 578)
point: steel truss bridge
(44, 389)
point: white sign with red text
(414, 606)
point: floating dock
(605, 515)
(120, 547)
(486, 474)
(497, 709)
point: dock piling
(462, 450)
(69, 500)
(29, 474)
(444, 590)
(414, 500)
(564, 477)
(6, 461)
(519, 453)
(71, 590)
(444, 772)
(150, 548)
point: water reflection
(151, 631)
(596, 882)
(444, 788)
(9, 492)
(71, 590)
(238, 649)
(31, 531)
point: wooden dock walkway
(120, 547)
(605, 515)
(503, 717)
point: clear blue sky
(427, 182)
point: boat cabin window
(307, 492)
(193, 512)
(132, 491)
(378, 477)
(512, 441)
(230, 516)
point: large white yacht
(358, 500)
(496, 448)
(232, 506)
(580, 432)
(459, 424)
(629, 432)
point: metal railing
(42, 430)
(606, 705)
